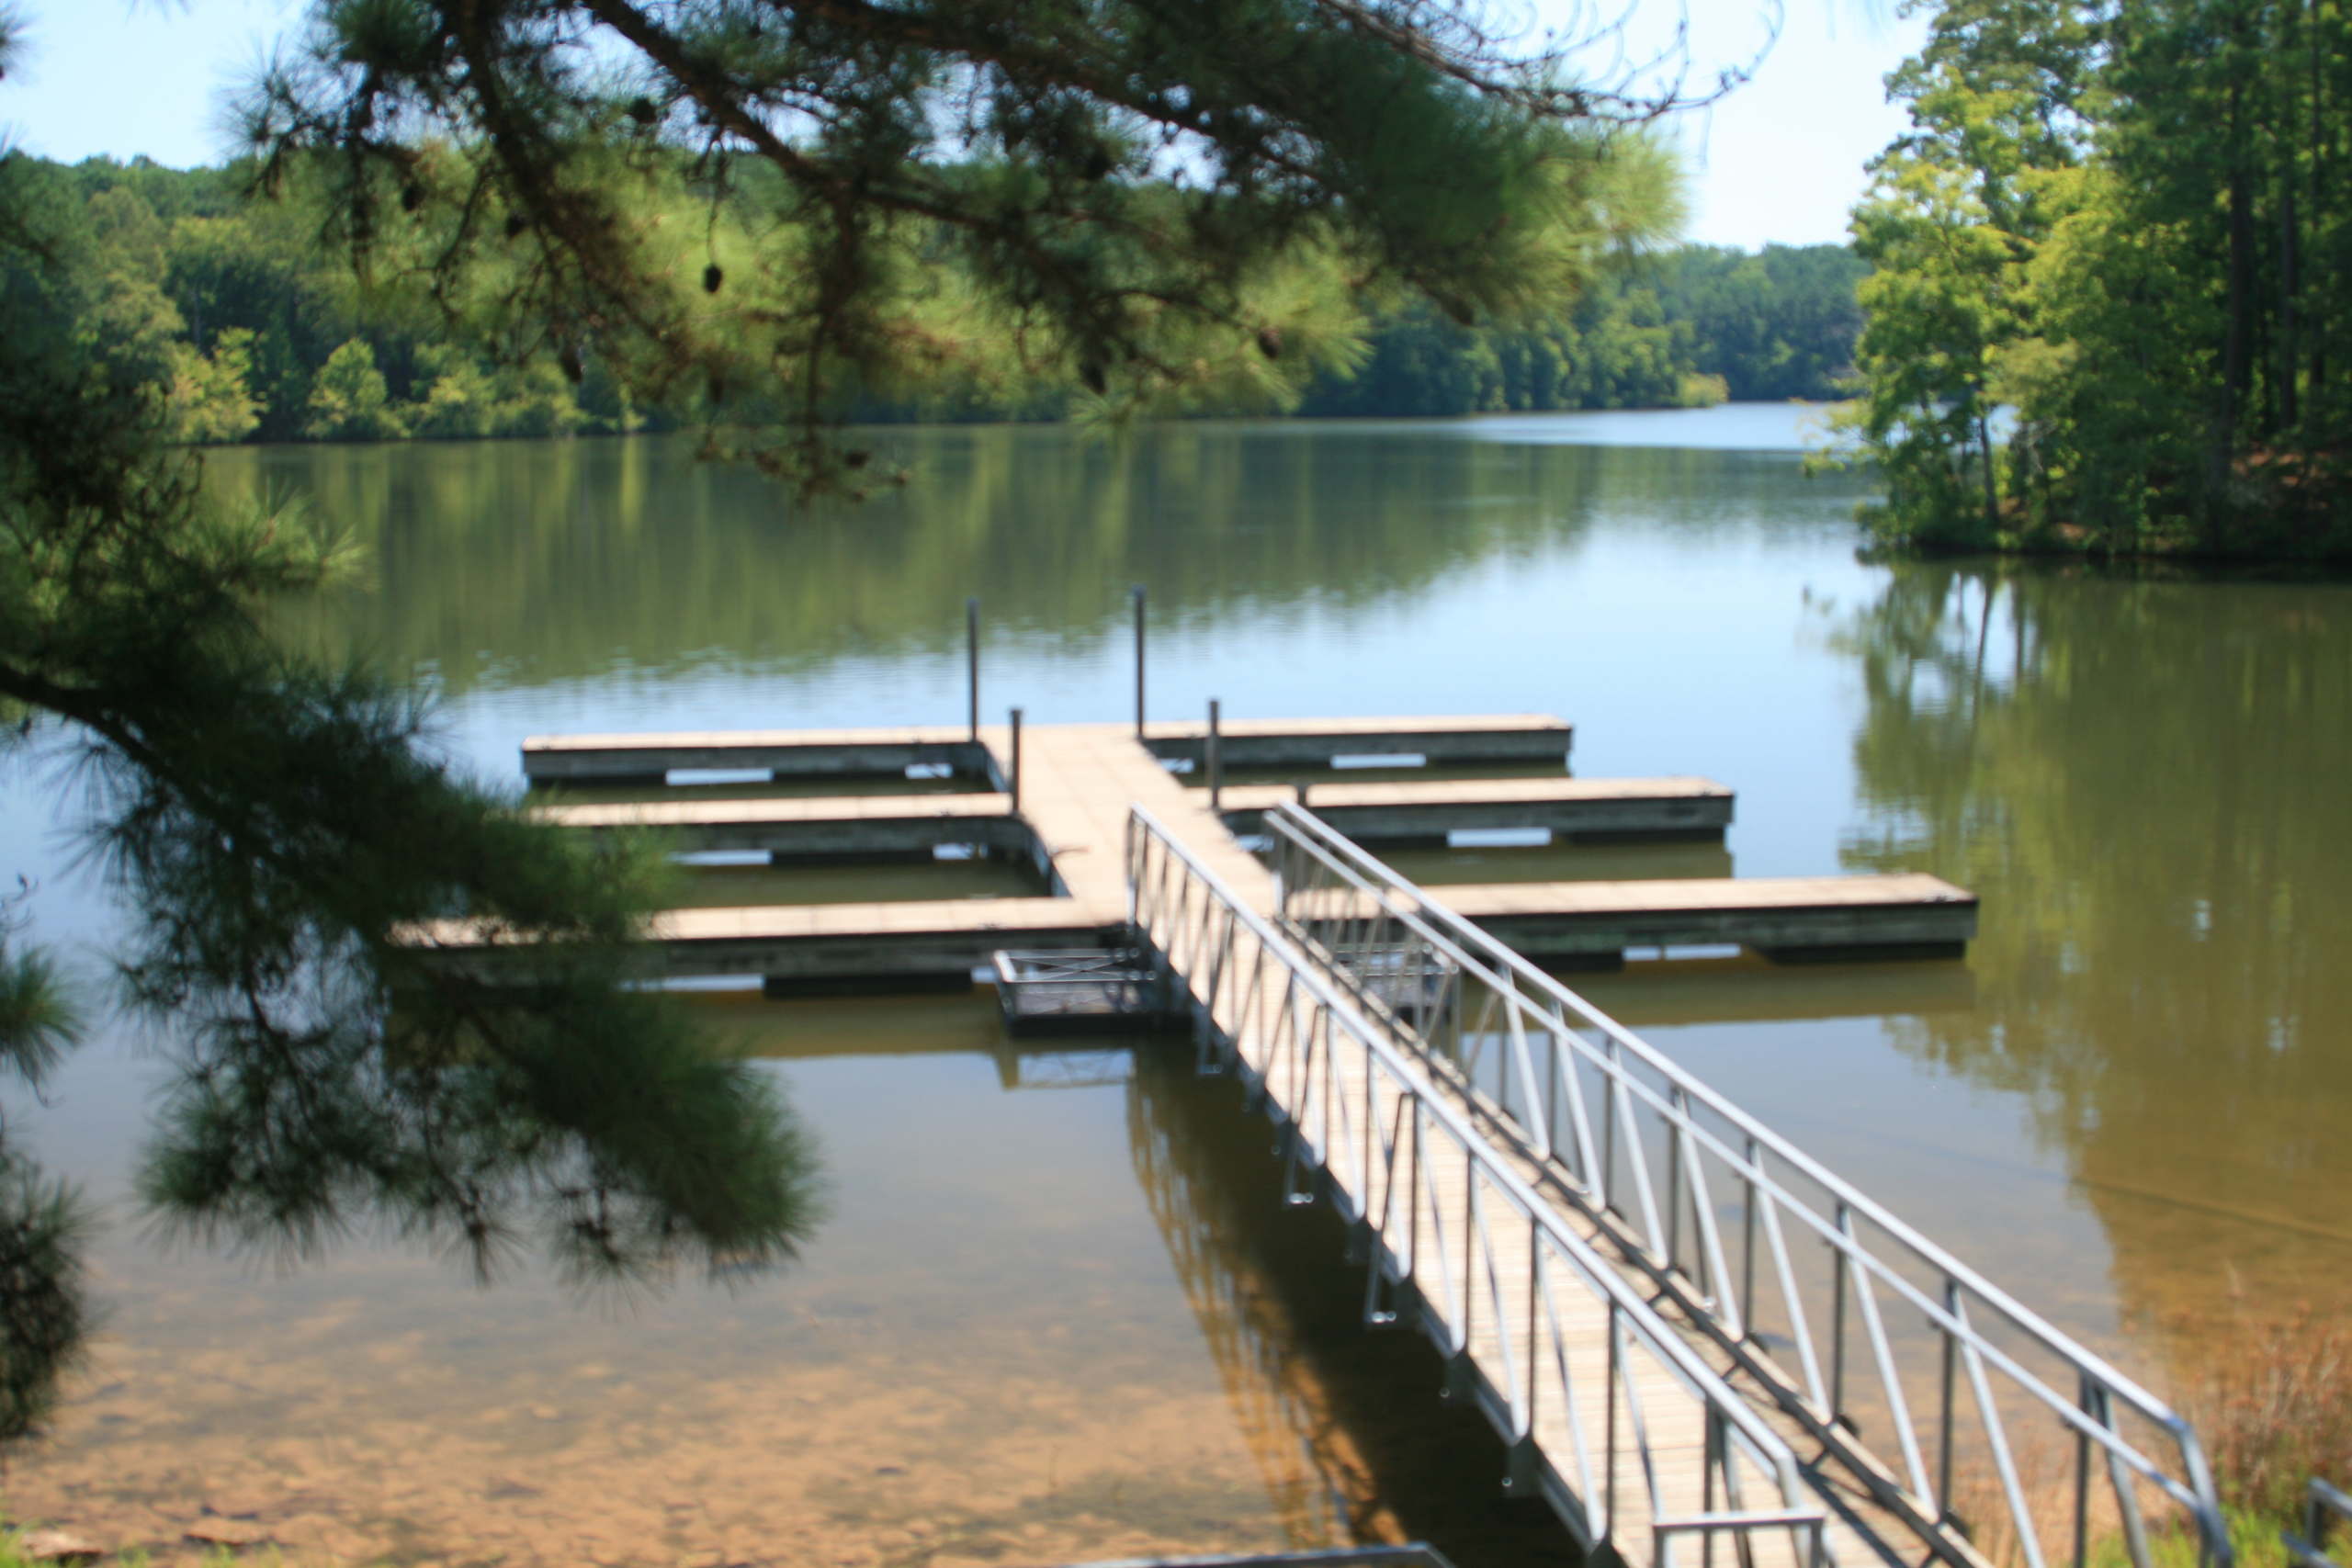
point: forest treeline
(265, 335)
(2111, 299)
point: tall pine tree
(1131, 192)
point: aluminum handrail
(1459, 942)
(1628, 1305)
(2321, 1504)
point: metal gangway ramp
(1696, 1342)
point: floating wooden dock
(1077, 784)
(1510, 1211)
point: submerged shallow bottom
(1059, 1313)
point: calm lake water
(1059, 1312)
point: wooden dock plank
(833, 827)
(705, 813)
(555, 759)
(1426, 807)
(1341, 794)
(938, 938)
(736, 739)
(1754, 893)
(1314, 742)
(1781, 915)
(1424, 724)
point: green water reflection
(525, 560)
(2146, 780)
(2129, 1103)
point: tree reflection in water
(497, 563)
(2146, 780)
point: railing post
(1608, 1488)
(1534, 1322)
(1943, 1434)
(1016, 780)
(1137, 595)
(2082, 1474)
(1679, 1107)
(1711, 1461)
(1215, 760)
(1604, 1187)
(972, 662)
(1747, 1243)
(1839, 1264)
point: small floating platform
(821, 948)
(1320, 742)
(1787, 918)
(781, 753)
(846, 826)
(1420, 810)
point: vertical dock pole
(1136, 594)
(1215, 760)
(972, 661)
(1016, 780)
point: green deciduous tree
(212, 396)
(1778, 324)
(349, 399)
(2123, 223)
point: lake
(1059, 1312)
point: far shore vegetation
(271, 338)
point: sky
(1779, 158)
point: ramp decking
(1641, 1287)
